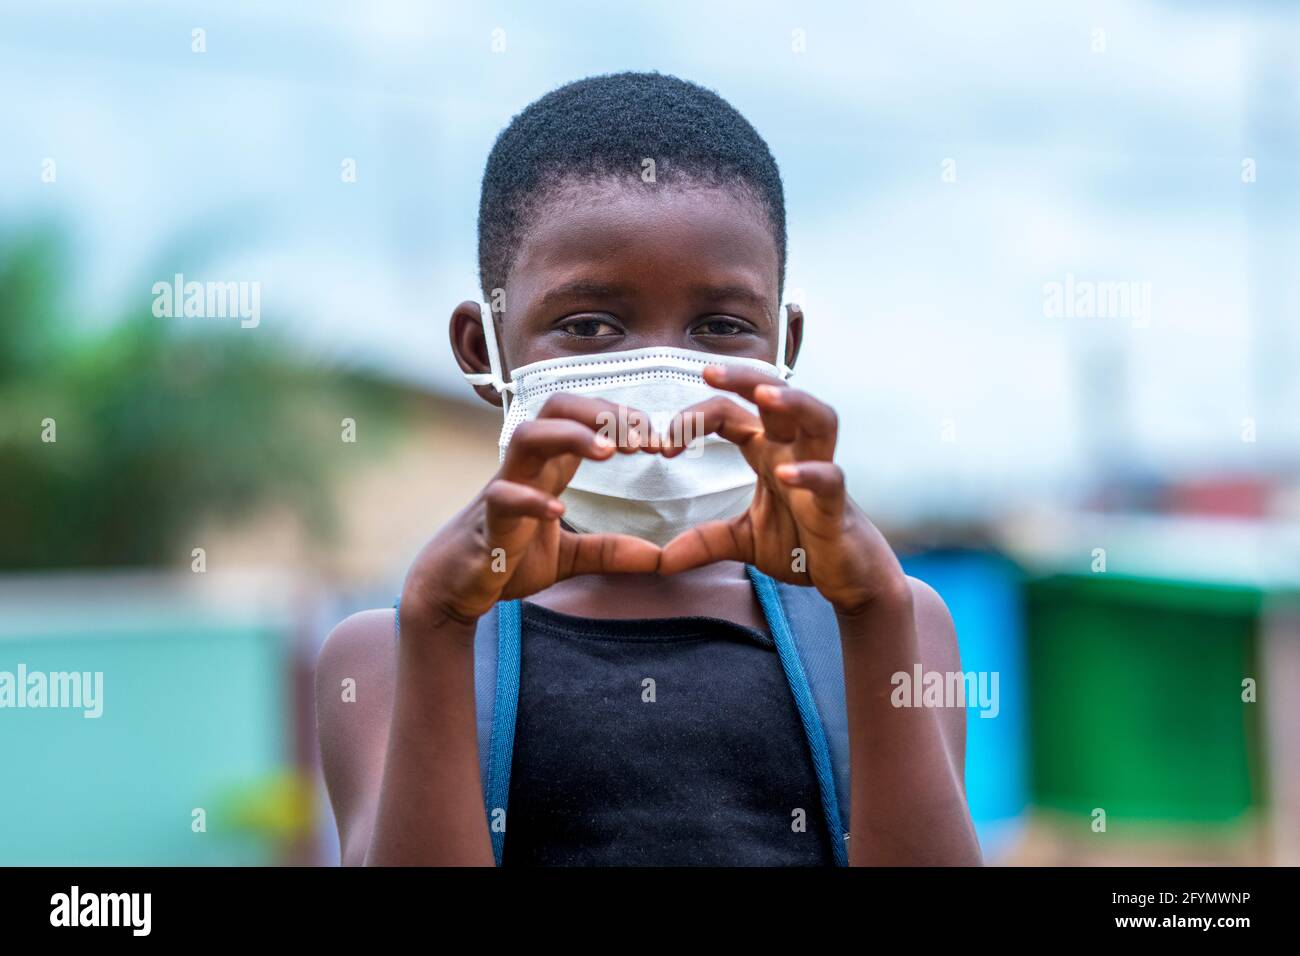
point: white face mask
(642, 494)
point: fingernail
(767, 392)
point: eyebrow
(732, 293)
(566, 292)
(582, 289)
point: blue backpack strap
(807, 640)
(817, 635)
(485, 689)
(496, 696)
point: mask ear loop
(783, 320)
(494, 377)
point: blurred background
(1051, 267)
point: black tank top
(669, 742)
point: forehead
(651, 236)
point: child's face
(628, 265)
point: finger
(509, 503)
(629, 429)
(535, 443)
(824, 479)
(779, 421)
(740, 379)
(789, 414)
(605, 554)
(706, 544)
(718, 415)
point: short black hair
(606, 126)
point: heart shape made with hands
(690, 488)
(665, 488)
(799, 526)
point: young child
(611, 655)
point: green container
(1136, 699)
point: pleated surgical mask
(642, 494)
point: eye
(589, 328)
(721, 326)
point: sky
(944, 163)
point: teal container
(194, 717)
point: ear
(793, 333)
(469, 346)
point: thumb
(605, 554)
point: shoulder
(361, 649)
(936, 635)
(363, 636)
(934, 625)
(355, 676)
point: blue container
(983, 592)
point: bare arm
(430, 806)
(908, 795)
(401, 762)
(398, 744)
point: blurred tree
(158, 426)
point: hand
(508, 542)
(801, 527)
